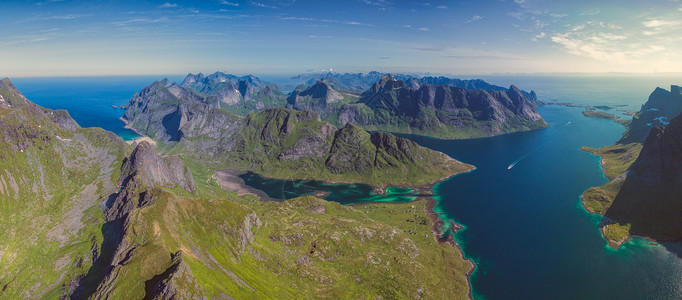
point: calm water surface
(89, 100)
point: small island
(604, 115)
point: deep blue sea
(524, 227)
(89, 100)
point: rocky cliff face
(53, 177)
(644, 168)
(470, 84)
(661, 106)
(237, 94)
(441, 110)
(650, 199)
(352, 82)
(317, 97)
(271, 141)
(360, 82)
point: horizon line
(335, 72)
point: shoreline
(377, 189)
(436, 221)
(229, 180)
(141, 138)
(126, 125)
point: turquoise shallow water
(524, 226)
(343, 193)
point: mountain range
(442, 111)
(87, 216)
(360, 82)
(431, 106)
(283, 143)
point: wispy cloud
(229, 3)
(261, 4)
(168, 5)
(423, 28)
(612, 43)
(324, 21)
(377, 2)
(48, 1)
(474, 19)
(538, 36)
(658, 23)
(442, 7)
(591, 12)
(139, 21)
(432, 49)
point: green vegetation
(68, 230)
(617, 234)
(51, 181)
(604, 115)
(289, 144)
(615, 160)
(303, 247)
(472, 129)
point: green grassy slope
(51, 181)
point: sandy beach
(229, 180)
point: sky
(82, 38)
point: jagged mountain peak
(146, 165)
(660, 108)
(9, 94)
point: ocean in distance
(524, 227)
(89, 100)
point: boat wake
(533, 151)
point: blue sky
(62, 37)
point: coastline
(397, 133)
(229, 180)
(436, 222)
(379, 189)
(142, 138)
(126, 125)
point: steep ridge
(441, 111)
(641, 196)
(661, 106)
(350, 82)
(470, 84)
(53, 177)
(240, 95)
(650, 199)
(280, 142)
(360, 82)
(317, 97)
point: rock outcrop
(650, 199)
(317, 97)
(237, 94)
(661, 106)
(146, 165)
